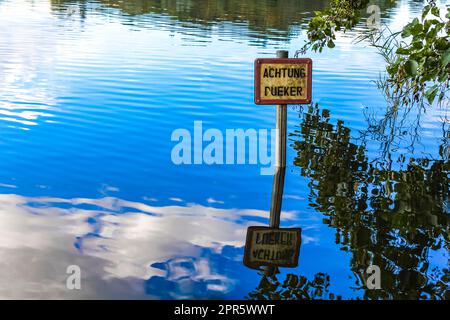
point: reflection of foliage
(396, 128)
(293, 288)
(393, 218)
(399, 128)
(271, 17)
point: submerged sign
(283, 81)
(272, 247)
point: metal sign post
(280, 159)
(279, 81)
(280, 168)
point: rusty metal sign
(267, 246)
(283, 81)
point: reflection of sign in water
(283, 81)
(272, 247)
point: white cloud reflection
(115, 242)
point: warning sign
(272, 247)
(283, 81)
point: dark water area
(91, 93)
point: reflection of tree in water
(263, 14)
(260, 20)
(71, 7)
(293, 288)
(270, 19)
(392, 218)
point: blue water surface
(90, 95)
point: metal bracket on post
(280, 159)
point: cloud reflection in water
(125, 249)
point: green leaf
(442, 44)
(411, 67)
(431, 93)
(407, 30)
(331, 44)
(402, 50)
(416, 29)
(417, 44)
(414, 22)
(425, 11)
(445, 58)
(392, 69)
(406, 33)
(435, 11)
(426, 25)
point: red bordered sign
(283, 81)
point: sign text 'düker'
(283, 81)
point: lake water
(90, 94)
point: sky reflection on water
(90, 92)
